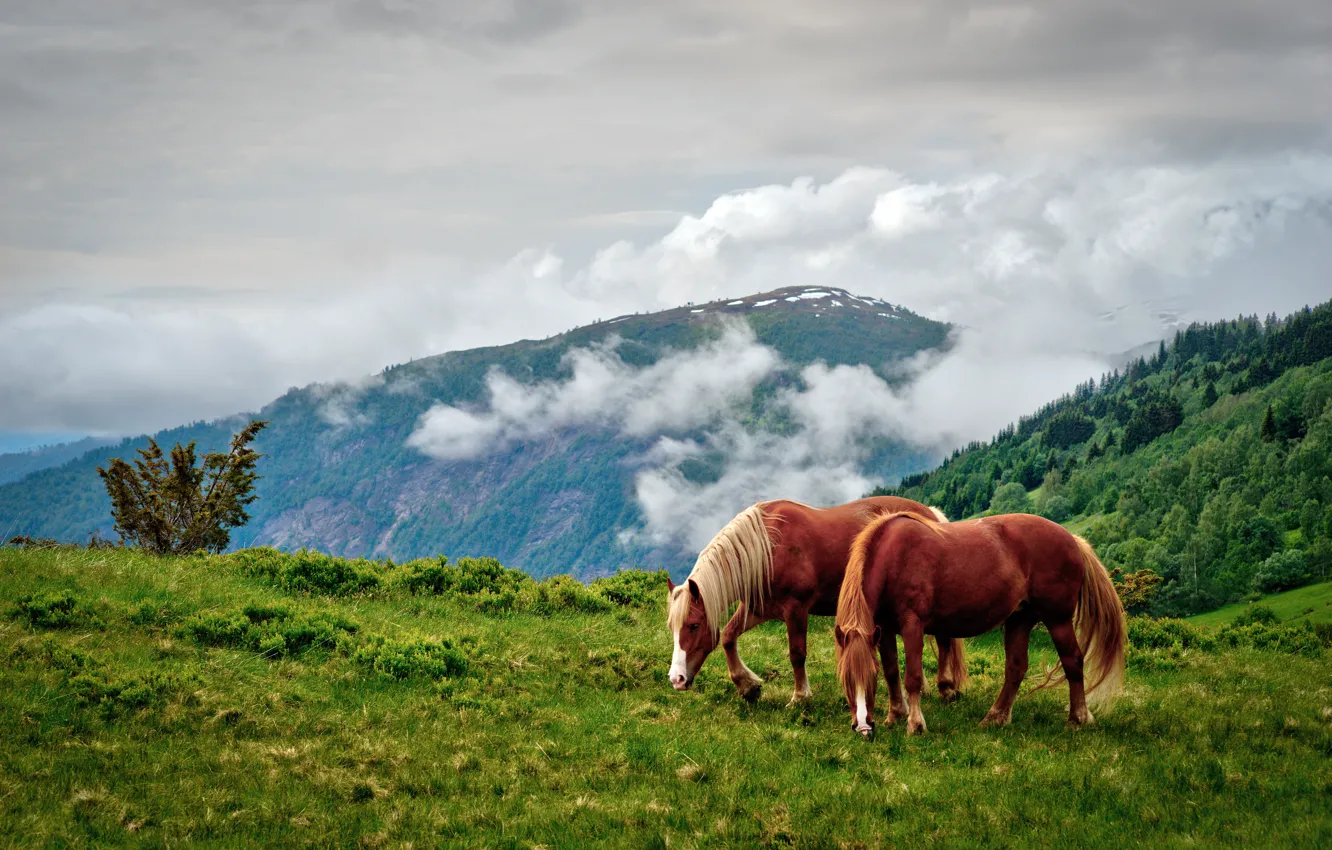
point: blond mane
(734, 567)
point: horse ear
(839, 636)
(670, 585)
(694, 591)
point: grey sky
(311, 190)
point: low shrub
(113, 696)
(1298, 639)
(58, 609)
(273, 630)
(406, 659)
(309, 572)
(1165, 633)
(1256, 614)
(468, 577)
(559, 594)
(633, 588)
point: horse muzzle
(866, 731)
(681, 682)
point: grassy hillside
(258, 700)
(1312, 603)
(339, 476)
(1209, 463)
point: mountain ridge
(340, 476)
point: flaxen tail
(957, 664)
(1102, 632)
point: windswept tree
(172, 506)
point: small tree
(173, 507)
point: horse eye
(693, 627)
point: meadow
(256, 699)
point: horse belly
(972, 604)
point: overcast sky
(209, 201)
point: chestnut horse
(780, 560)
(963, 579)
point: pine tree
(1269, 426)
(1209, 395)
(175, 507)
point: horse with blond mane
(780, 560)
(962, 579)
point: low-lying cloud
(680, 391)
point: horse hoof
(798, 700)
(752, 695)
(949, 695)
(993, 721)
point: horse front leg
(913, 642)
(797, 629)
(897, 707)
(746, 680)
(1017, 634)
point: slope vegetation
(1209, 463)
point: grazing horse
(963, 579)
(780, 560)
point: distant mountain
(341, 477)
(16, 465)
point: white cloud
(681, 390)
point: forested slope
(1209, 463)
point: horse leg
(1070, 656)
(1017, 633)
(797, 626)
(746, 680)
(944, 679)
(888, 658)
(913, 641)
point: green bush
(273, 630)
(406, 659)
(1151, 633)
(560, 593)
(1282, 571)
(113, 696)
(54, 610)
(1256, 614)
(1297, 639)
(633, 588)
(309, 572)
(469, 577)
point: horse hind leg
(897, 707)
(797, 628)
(913, 642)
(1017, 634)
(1070, 658)
(746, 681)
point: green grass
(1312, 603)
(419, 721)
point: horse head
(858, 669)
(688, 621)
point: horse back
(811, 545)
(967, 577)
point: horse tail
(957, 664)
(1101, 629)
(856, 661)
